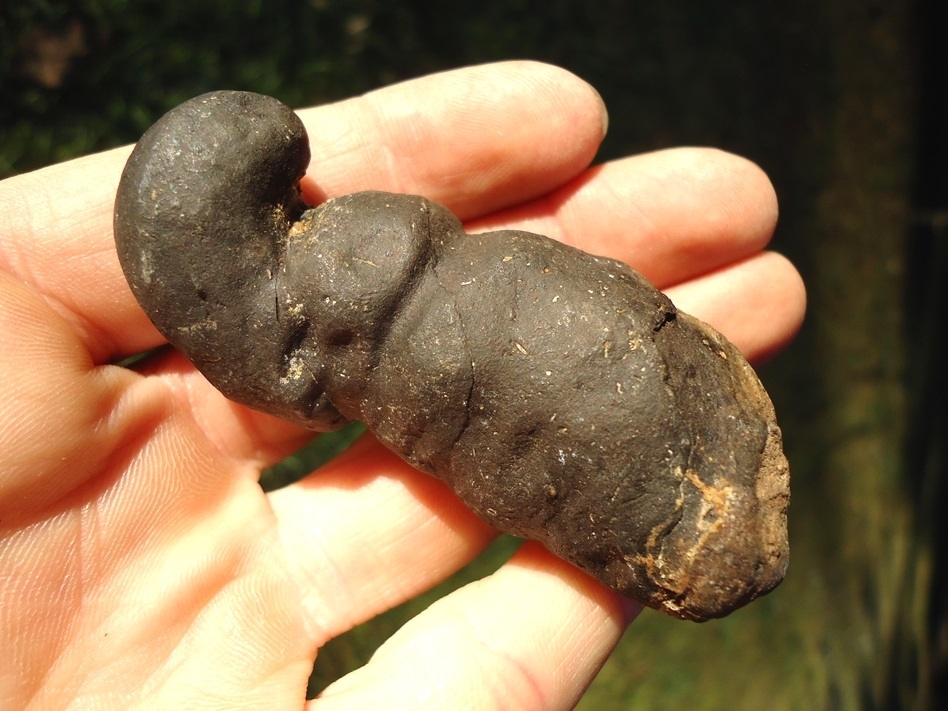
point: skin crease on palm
(141, 566)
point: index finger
(475, 139)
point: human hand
(141, 565)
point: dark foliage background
(843, 102)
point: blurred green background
(843, 102)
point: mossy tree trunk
(849, 627)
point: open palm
(141, 565)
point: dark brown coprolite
(559, 394)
